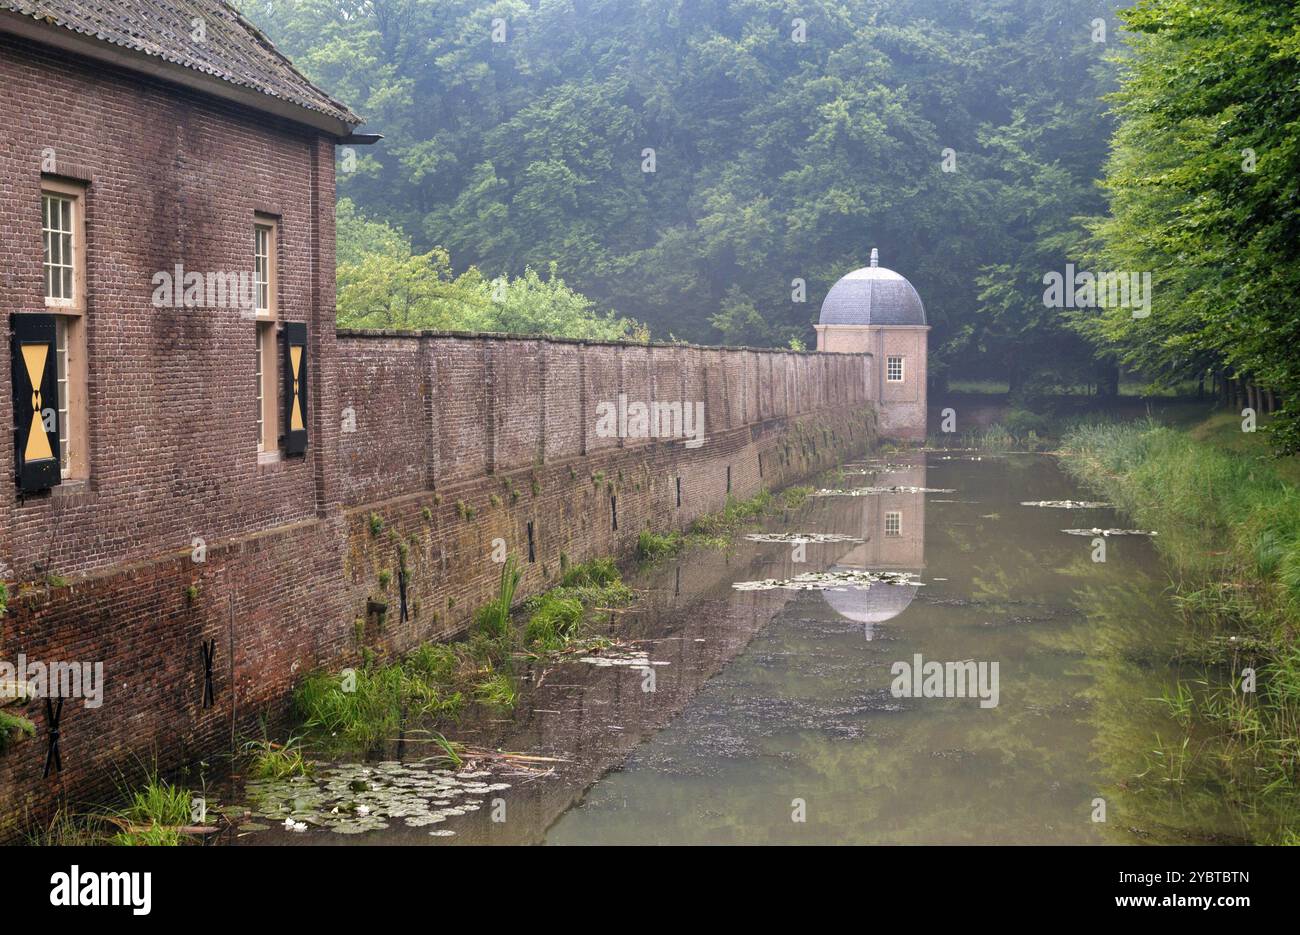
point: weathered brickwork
(170, 178)
(428, 446)
(293, 597)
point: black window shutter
(36, 402)
(295, 387)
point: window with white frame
(262, 268)
(266, 370)
(894, 369)
(893, 524)
(58, 214)
(61, 361)
(63, 237)
(257, 367)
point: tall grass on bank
(363, 709)
(1225, 517)
(715, 530)
(156, 813)
(1230, 527)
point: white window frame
(61, 247)
(266, 301)
(889, 368)
(894, 519)
(70, 321)
(264, 273)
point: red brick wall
(288, 599)
(171, 178)
(438, 409)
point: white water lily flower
(363, 810)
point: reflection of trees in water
(805, 711)
(1169, 779)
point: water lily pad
(1108, 532)
(826, 580)
(796, 538)
(354, 799)
(874, 491)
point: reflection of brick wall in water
(458, 441)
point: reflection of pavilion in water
(893, 539)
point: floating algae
(1107, 532)
(1066, 504)
(800, 538)
(826, 580)
(621, 659)
(858, 471)
(869, 491)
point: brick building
(148, 143)
(876, 311)
(214, 491)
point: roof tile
(233, 49)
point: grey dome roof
(872, 295)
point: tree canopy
(383, 284)
(1203, 187)
(961, 138)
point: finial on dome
(875, 257)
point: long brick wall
(444, 443)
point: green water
(769, 717)
(804, 711)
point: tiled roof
(231, 49)
(872, 295)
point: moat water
(773, 717)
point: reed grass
(1229, 528)
(363, 709)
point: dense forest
(705, 170)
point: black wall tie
(209, 654)
(52, 715)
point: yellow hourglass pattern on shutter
(295, 360)
(38, 443)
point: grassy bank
(716, 530)
(1229, 525)
(155, 813)
(361, 710)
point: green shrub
(493, 619)
(270, 760)
(553, 621)
(497, 691)
(12, 727)
(652, 545)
